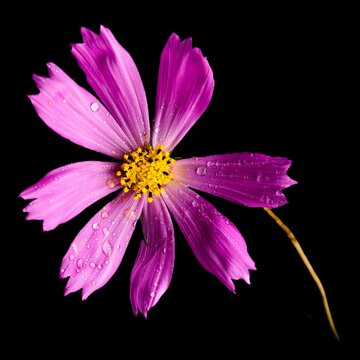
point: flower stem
(312, 272)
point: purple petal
(65, 192)
(215, 241)
(185, 87)
(77, 115)
(154, 264)
(113, 75)
(248, 179)
(98, 249)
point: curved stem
(312, 272)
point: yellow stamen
(145, 171)
(311, 270)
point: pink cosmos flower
(152, 184)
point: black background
(275, 72)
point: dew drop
(259, 178)
(62, 271)
(104, 214)
(94, 106)
(129, 213)
(152, 294)
(156, 130)
(111, 183)
(100, 266)
(71, 257)
(105, 231)
(106, 248)
(64, 101)
(267, 200)
(80, 263)
(107, 114)
(94, 282)
(164, 250)
(92, 265)
(202, 170)
(279, 193)
(88, 246)
(194, 203)
(95, 225)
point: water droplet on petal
(152, 294)
(88, 246)
(105, 231)
(64, 101)
(106, 248)
(80, 263)
(95, 225)
(111, 183)
(107, 114)
(259, 178)
(62, 271)
(94, 106)
(202, 170)
(92, 265)
(100, 266)
(164, 250)
(94, 282)
(104, 214)
(71, 257)
(156, 130)
(279, 193)
(194, 203)
(129, 213)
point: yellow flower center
(146, 170)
